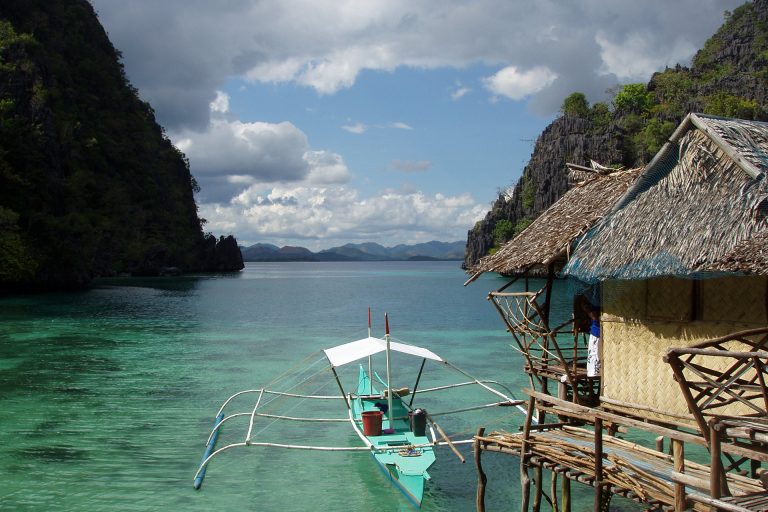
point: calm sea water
(107, 396)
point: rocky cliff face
(729, 77)
(568, 139)
(222, 255)
(89, 183)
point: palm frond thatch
(550, 235)
(704, 212)
(747, 257)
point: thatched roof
(698, 207)
(549, 237)
(747, 257)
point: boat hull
(402, 456)
(412, 486)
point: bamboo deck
(629, 470)
(553, 370)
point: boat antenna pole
(389, 374)
(370, 358)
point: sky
(323, 122)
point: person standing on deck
(593, 345)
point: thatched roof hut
(548, 239)
(699, 206)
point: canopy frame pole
(416, 386)
(389, 374)
(338, 381)
(370, 358)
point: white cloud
(318, 217)
(357, 128)
(265, 151)
(400, 126)
(325, 45)
(326, 168)
(282, 185)
(460, 93)
(637, 55)
(221, 103)
(232, 155)
(516, 85)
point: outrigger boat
(400, 436)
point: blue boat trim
(209, 449)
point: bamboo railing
(725, 378)
(551, 353)
(723, 382)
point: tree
(728, 105)
(529, 192)
(575, 105)
(634, 99)
(503, 231)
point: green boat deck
(404, 465)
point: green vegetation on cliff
(89, 183)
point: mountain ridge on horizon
(366, 251)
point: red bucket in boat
(372, 423)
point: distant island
(429, 251)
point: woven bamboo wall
(636, 335)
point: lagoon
(107, 396)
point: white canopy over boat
(356, 350)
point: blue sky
(318, 123)
(405, 126)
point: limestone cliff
(89, 183)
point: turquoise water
(107, 396)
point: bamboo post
(715, 463)
(538, 474)
(525, 480)
(758, 366)
(598, 464)
(565, 490)
(677, 368)
(545, 317)
(481, 478)
(660, 444)
(553, 491)
(678, 457)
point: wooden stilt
(538, 474)
(525, 480)
(553, 491)
(598, 464)
(678, 457)
(481, 478)
(565, 489)
(715, 463)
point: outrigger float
(399, 435)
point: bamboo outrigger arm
(490, 389)
(277, 393)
